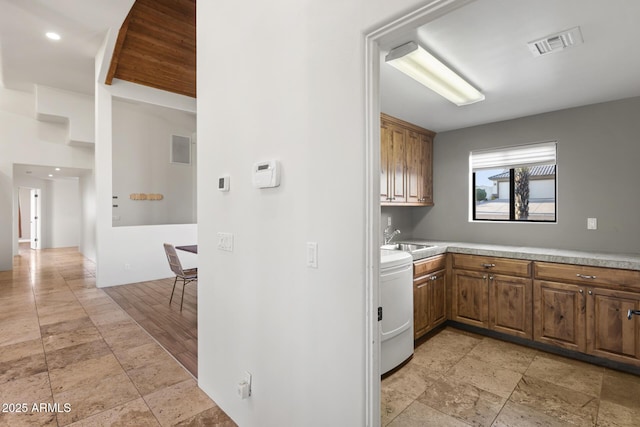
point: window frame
(511, 169)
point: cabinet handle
(488, 265)
(630, 313)
(434, 277)
(490, 277)
(584, 276)
(389, 198)
(484, 276)
(590, 292)
(581, 291)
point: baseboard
(599, 361)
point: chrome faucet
(389, 235)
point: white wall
(141, 164)
(65, 213)
(87, 243)
(25, 140)
(74, 109)
(597, 174)
(298, 97)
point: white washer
(396, 300)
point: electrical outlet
(225, 241)
(389, 221)
(244, 386)
(592, 223)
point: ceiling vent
(556, 42)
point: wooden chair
(187, 276)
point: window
(514, 183)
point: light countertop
(596, 259)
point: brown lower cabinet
(492, 293)
(589, 315)
(429, 296)
(578, 308)
(559, 311)
(609, 333)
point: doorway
(24, 215)
(35, 212)
(380, 39)
(29, 217)
(52, 206)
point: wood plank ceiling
(156, 46)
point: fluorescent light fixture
(53, 36)
(417, 63)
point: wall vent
(556, 42)
(180, 149)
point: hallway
(64, 343)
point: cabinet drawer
(428, 265)
(586, 275)
(513, 267)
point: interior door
(35, 218)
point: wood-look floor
(148, 304)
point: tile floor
(65, 342)
(460, 379)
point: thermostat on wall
(223, 183)
(266, 174)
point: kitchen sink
(407, 247)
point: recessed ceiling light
(57, 169)
(53, 36)
(50, 175)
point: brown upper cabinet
(406, 164)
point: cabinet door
(426, 171)
(419, 168)
(510, 305)
(416, 153)
(438, 299)
(398, 162)
(610, 333)
(386, 146)
(421, 306)
(559, 315)
(469, 298)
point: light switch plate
(592, 223)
